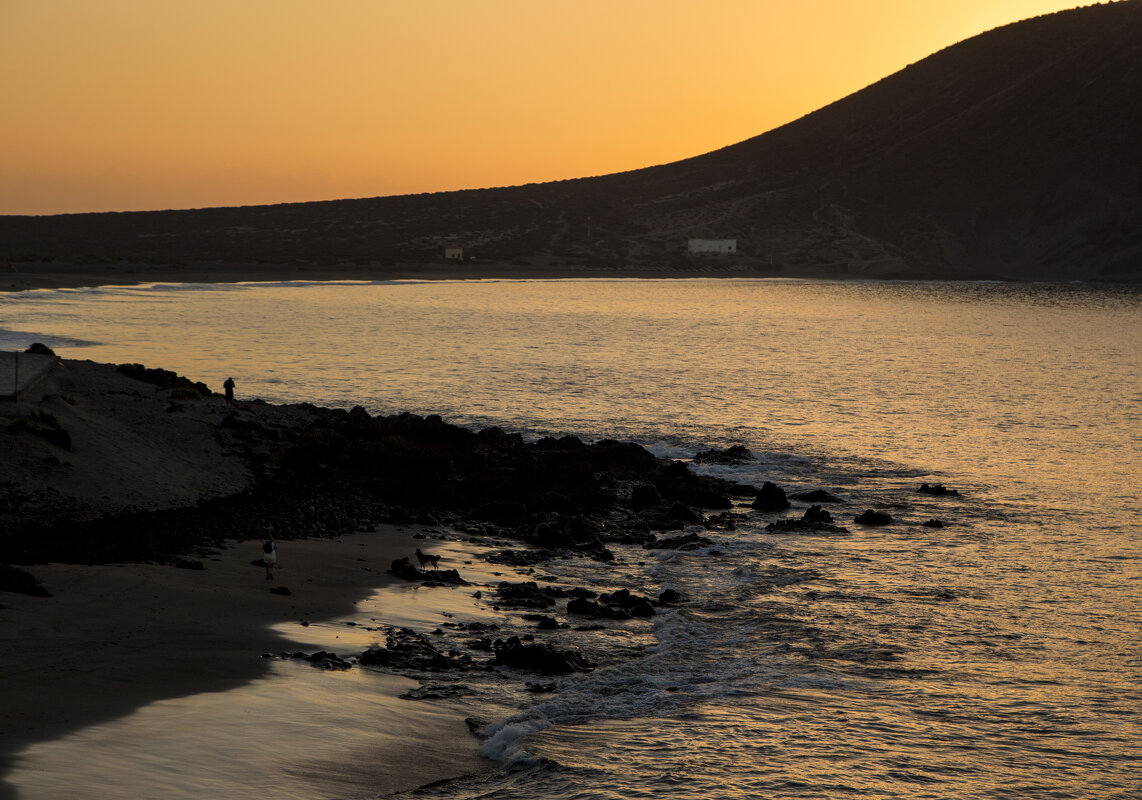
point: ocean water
(997, 657)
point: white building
(715, 246)
(453, 253)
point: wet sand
(113, 639)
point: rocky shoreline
(122, 472)
(119, 473)
(326, 472)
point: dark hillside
(1014, 154)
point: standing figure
(229, 387)
(270, 556)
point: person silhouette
(270, 556)
(229, 387)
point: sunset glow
(132, 104)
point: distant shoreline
(27, 277)
(18, 278)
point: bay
(996, 657)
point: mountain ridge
(1015, 154)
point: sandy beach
(115, 637)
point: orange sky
(143, 104)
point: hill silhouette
(1015, 154)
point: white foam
(504, 740)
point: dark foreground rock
(407, 650)
(617, 605)
(814, 520)
(163, 378)
(321, 472)
(539, 658)
(403, 568)
(937, 490)
(771, 497)
(438, 692)
(322, 659)
(735, 454)
(871, 517)
(689, 541)
(527, 595)
(634, 604)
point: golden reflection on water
(1007, 384)
(994, 658)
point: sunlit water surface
(998, 657)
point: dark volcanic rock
(672, 518)
(163, 378)
(689, 541)
(726, 521)
(406, 649)
(403, 568)
(328, 472)
(582, 592)
(539, 658)
(933, 523)
(675, 481)
(563, 530)
(770, 497)
(644, 496)
(622, 459)
(871, 517)
(617, 605)
(816, 514)
(477, 627)
(519, 558)
(633, 604)
(322, 659)
(814, 520)
(438, 692)
(525, 595)
(735, 454)
(589, 608)
(937, 490)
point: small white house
(453, 253)
(712, 246)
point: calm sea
(998, 657)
